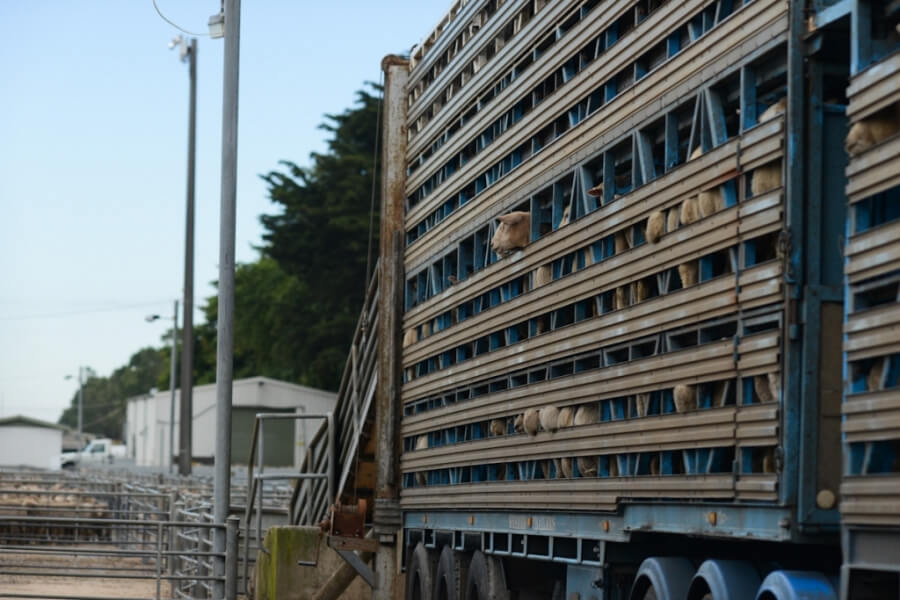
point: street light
(188, 53)
(80, 405)
(150, 319)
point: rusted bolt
(529, 521)
(471, 519)
(605, 526)
(712, 517)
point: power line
(173, 23)
(74, 313)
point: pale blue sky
(93, 122)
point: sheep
(685, 397)
(768, 461)
(672, 219)
(697, 153)
(613, 466)
(596, 191)
(710, 202)
(512, 233)
(566, 418)
(654, 464)
(542, 276)
(690, 211)
(586, 415)
(620, 299)
(565, 217)
(642, 404)
(872, 131)
(621, 242)
(766, 387)
(768, 177)
(656, 224)
(549, 418)
(498, 427)
(688, 273)
(774, 110)
(587, 466)
(410, 337)
(519, 424)
(640, 291)
(875, 378)
(421, 444)
(531, 421)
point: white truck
(100, 450)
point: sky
(93, 155)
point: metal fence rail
(68, 527)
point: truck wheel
(420, 574)
(485, 580)
(450, 576)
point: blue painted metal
(731, 579)
(669, 577)
(797, 585)
(586, 582)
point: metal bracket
(341, 545)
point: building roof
(31, 422)
(249, 381)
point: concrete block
(279, 577)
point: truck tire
(450, 577)
(485, 580)
(420, 574)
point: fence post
(232, 525)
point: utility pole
(225, 325)
(390, 293)
(185, 434)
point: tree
(105, 397)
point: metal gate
(86, 536)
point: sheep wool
(672, 219)
(565, 216)
(587, 466)
(762, 389)
(656, 224)
(875, 378)
(498, 427)
(710, 202)
(586, 414)
(542, 276)
(766, 178)
(565, 468)
(642, 404)
(513, 233)
(566, 417)
(640, 291)
(654, 464)
(685, 398)
(519, 424)
(621, 242)
(870, 132)
(621, 299)
(774, 110)
(688, 273)
(409, 337)
(531, 421)
(549, 418)
(690, 212)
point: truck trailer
(647, 259)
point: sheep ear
(507, 219)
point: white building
(147, 422)
(27, 442)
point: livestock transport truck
(671, 372)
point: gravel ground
(76, 587)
